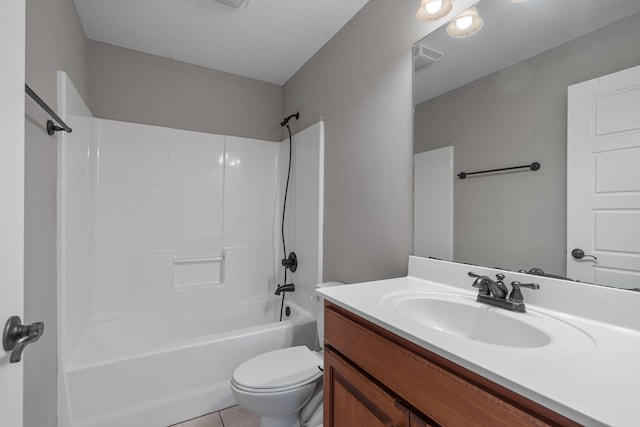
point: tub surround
(169, 255)
(590, 355)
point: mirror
(499, 98)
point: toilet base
(292, 420)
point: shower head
(285, 122)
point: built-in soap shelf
(197, 260)
(197, 271)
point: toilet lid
(278, 369)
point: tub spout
(285, 288)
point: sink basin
(460, 315)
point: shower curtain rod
(52, 128)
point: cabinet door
(352, 399)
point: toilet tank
(319, 309)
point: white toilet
(277, 384)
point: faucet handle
(525, 285)
(516, 293)
(480, 283)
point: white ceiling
(268, 40)
(512, 32)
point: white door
(12, 34)
(603, 180)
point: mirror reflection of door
(433, 203)
(603, 180)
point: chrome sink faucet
(487, 286)
(495, 292)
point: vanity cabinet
(376, 378)
(358, 401)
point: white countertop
(589, 372)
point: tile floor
(230, 417)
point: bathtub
(154, 371)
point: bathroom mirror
(499, 98)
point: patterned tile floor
(230, 417)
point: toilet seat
(278, 371)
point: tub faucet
(285, 288)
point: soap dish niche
(197, 272)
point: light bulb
(464, 22)
(432, 10)
(433, 6)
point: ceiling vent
(237, 4)
(423, 56)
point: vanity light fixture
(465, 24)
(432, 10)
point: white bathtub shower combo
(169, 252)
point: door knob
(579, 254)
(16, 336)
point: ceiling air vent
(234, 3)
(423, 56)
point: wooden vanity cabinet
(357, 401)
(373, 377)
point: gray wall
(55, 41)
(360, 83)
(517, 116)
(137, 87)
